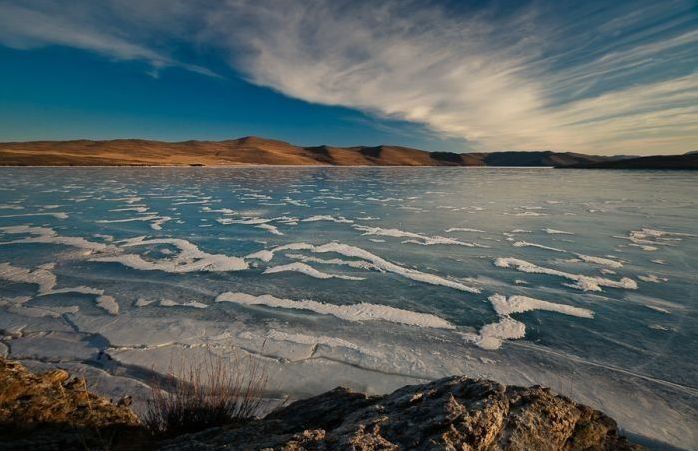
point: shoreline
(327, 166)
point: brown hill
(252, 150)
(249, 150)
(243, 151)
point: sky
(594, 76)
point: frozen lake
(584, 281)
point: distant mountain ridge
(685, 161)
(252, 150)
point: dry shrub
(204, 393)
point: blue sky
(594, 77)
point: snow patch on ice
(519, 304)
(556, 232)
(109, 304)
(269, 228)
(354, 312)
(17, 306)
(45, 279)
(582, 282)
(46, 235)
(308, 270)
(416, 237)
(337, 219)
(56, 214)
(600, 261)
(648, 239)
(142, 302)
(652, 278)
(189, 259)
(540, 246)
(171, 303)
(378, 262)
(360, 264)
(491, 336)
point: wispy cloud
(524, 81)
(580, 76)
(38, 24)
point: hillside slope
(253, 150)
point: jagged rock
(53, 411)
(455, 413)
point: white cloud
(25, 28)
(491, 81)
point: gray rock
(452, 413)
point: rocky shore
(54, 411)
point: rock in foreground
(53, 411)
(455, 413)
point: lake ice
(372, 278)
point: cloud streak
(48, 23)
(573, 76)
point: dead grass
(209, 392)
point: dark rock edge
(51, 411)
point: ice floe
(308, 270)
(47, 235)
(337, 219)
(600, 261)
(416, 238)
(463, 229)
(189, 259)
(653, 278)
(260, 223)
(648, 239)
(156, 221)
(359, 264)
(142, 302)
(270, 228)
(378, 262)
(540, 246)
(353, 312)
(137, 218)
(55, 214)
(171, 303)
(519, 304)
(582, 282)
(109, 304)
(17, 305)
(137, 209)
(44, 278)
(46, 281)
(586, 258)
(491, 336)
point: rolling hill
(252, 150)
